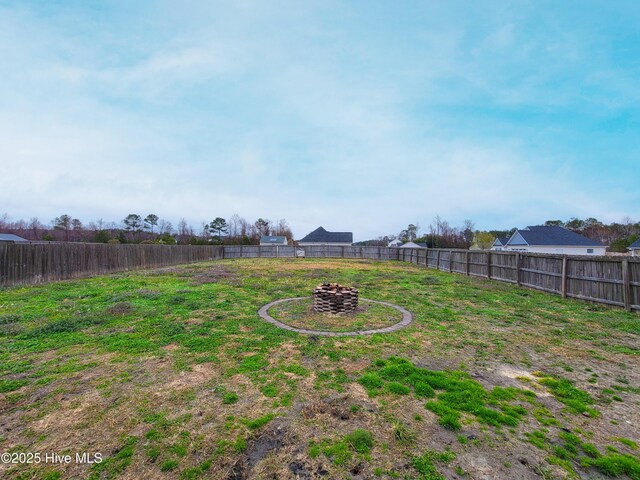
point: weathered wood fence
(320, 251)
(36, 263)
(608, 280)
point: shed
(273, 240)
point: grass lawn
(171, 374)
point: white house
(634, 248)
(499, 243)
(395, 243)
(273, 240)
(542, 239)
(321, 237)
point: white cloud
(221, 111)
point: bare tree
(467, 232)
(165, 226)
(204, 231)
(245, 228)
(4, 221)
(234, 225)
(35, 227)
(185, 232)
(282, 229)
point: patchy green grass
(171, 373)
(341, 451)
(425, 464)
(456, 394)
(577, 401)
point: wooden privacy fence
(36, 263)
(608, 280)
(319, 251)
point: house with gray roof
(11, 238)
(413, 245)
(320, 236)
(634, 248)
(547, 239)
(273, 240)
(499, 243)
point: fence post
(438, 259)
(466, 261)
(517, 268)
(488, 264)
(240, 251)
(342, 251)
(626, 285)
(450, 261)
(564, 277)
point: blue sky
(360, 116)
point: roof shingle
(543, 235)
(320, 235)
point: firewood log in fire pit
(334, 298)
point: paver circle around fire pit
(407, 318)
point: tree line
(441, 234)
(236, 230)
(136, 228)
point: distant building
(273, 240)
(395, 243)
(11, 238)
(413, 245)
(499, 243)
(634, 248)
(321, 237)
(543, 239)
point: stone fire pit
(334, 298)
